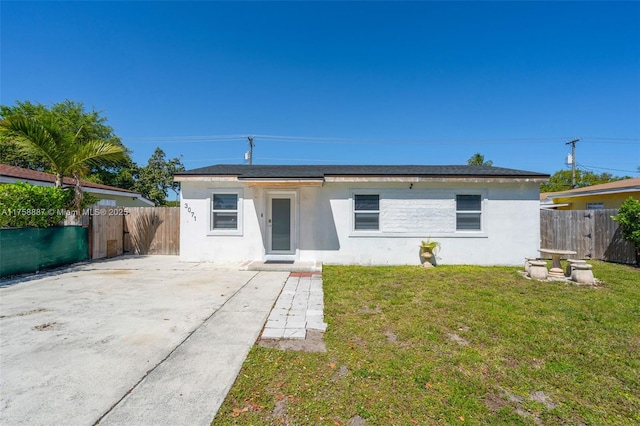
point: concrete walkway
(189, 386)
(299, 308)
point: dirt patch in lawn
(496, 403)
(314, 342)
(459, 340)
(391, 336)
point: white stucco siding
(325, 230)
(197, 242)
(513, 223)
(419, 210)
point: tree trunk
(59, 180)
(77, 195)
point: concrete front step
(297, 266)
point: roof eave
(317, 181)
(282, 182)
(204, 178)
(592, 193)
(415, 179)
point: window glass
(467, 221)
(224, 212)
(468, 212)
(468, 202)
(225, 220)
(225, 201)
(367, 202)
(367, 212)
(595, 206)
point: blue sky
(341, 82)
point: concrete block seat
(527, 263)
(538, 270)
(581, 273)
(570, 263)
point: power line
(335, 140)
(584, 166)
(612, 139)
(209, 159)
(338, 141)
(181, 138)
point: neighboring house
(595, 197)
(359, 214)
(108, 195)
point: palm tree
(478, 160)
(66, 155)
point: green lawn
(455, 345)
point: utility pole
(249, 155)
(573, 161)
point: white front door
(281, 225)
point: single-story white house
(107, 195)
(370, 215)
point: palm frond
(32, 137)
(94, 153)
(60, 148)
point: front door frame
(281, 255)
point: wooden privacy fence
(592, 233)
(114, 231)
(152, 230)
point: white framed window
(468, 212)
(106, 202)
(595, 206)
(366, 212)
(226, 212)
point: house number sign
(189, 211)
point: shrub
(25, 205)
(629, 219)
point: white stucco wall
(324, 231)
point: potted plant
(428, 250)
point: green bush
(629, 219)
(25, 205)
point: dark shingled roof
(243, 171)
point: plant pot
(427, 256)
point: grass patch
(453, 345)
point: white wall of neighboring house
(324, 223)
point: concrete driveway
(136, 340)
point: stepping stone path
(300, 307)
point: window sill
(224, 234)
(459, 234)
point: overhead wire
(593, 168)
(232, 138)
(338, 141)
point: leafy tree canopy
(153, 181)
(71, 118)
(477, 159)
(156, 178)
(562, 180)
